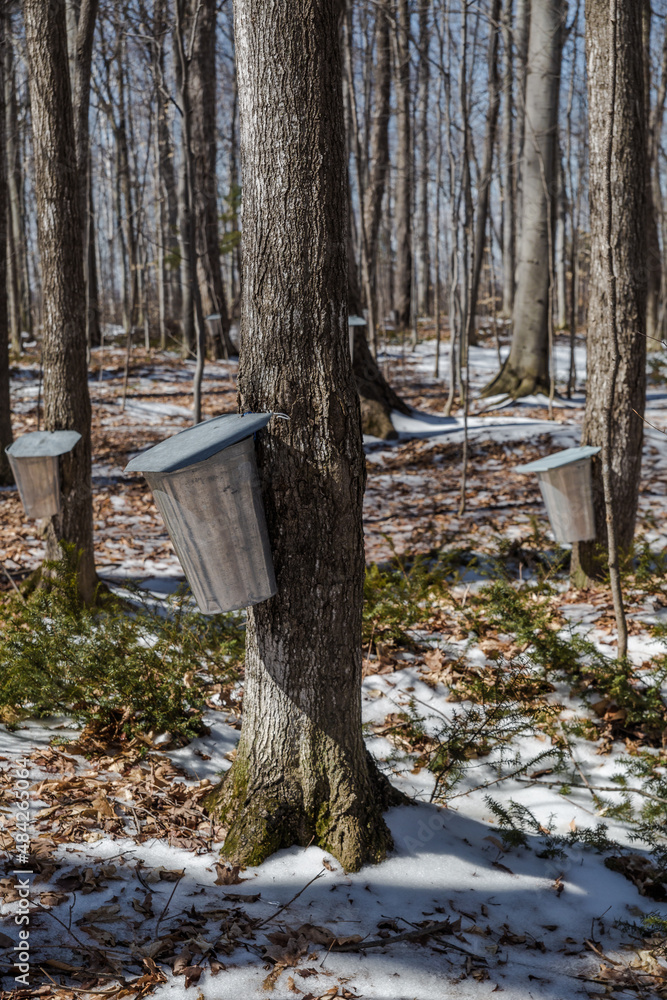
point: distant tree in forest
(199, 24)
(60, 232)
(526, 369)
(616, 339)
(403, 215)
(302, 773)
(81, 18)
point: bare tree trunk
(184, 46)
(165, 164)
(654, 194)
(521, 37)
(60, 230)
(484, 183)
(379, 144)
(354, 137)
(187, 278)
(424, 297)
(81, 18)
(93, 329)
(438, 202)
(13, 181)
(560, 263)
(161, 237)
(622, 352)
(202, 98)
(526, 369)
(5, 407)
(403, 201)
(301, 774)
(508, 173)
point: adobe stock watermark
(21, 872)
(424, 833)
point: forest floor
(533, 861)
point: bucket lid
(196, 444)
(43, 444)
(559, 458)
(356, 321)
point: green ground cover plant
(122, 667)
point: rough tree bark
(302, 773)
(628, 248)
(403, 196)
(5, 410)
(60, 235)
(526, 369)
(202, 96)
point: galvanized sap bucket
(206, 486)
(565, 482)
(34, 461)
(353, 321)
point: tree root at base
(261, 820)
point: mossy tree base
(340, 811)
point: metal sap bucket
(353, 321)
(34, 462)
(206, 486)
(567, 491)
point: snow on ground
(521, 922)
(524, 920)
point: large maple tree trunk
(302, 772)
(526, 368)
(60, 234)
(5, 410)
(629, 248)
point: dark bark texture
(60, 233)
(302, 772)
(629, 249)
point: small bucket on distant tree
(567, 490)
(352, 322)
(34, 460)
